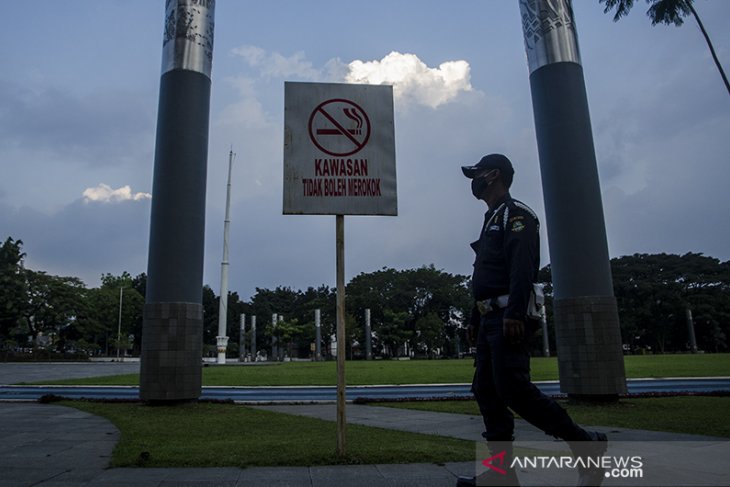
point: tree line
(419, 312)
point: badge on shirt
(517, 226)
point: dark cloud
(100, 128)
(84, 240)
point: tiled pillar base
(588, 336)
(172, 349)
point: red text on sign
(341, 187)
(340, 167)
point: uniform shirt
(507, 255)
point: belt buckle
(484, 307)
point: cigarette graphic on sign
(352, 114)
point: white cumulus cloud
(412, 79)
(105, 194)
(414, 82)
(276, 65)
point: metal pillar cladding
(172, 337)
(588, 337)
(317, 335)
(368, 336)
(253, 338)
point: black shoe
(593, 449)
(499, 471)
(466, 481)
(490, 478)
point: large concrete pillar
(588, 336)
(172, 336)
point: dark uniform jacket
(507, 255)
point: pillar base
(593, 399)
(172, 349)
(588, 336)
(222, 344)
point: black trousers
(502, 384)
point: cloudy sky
(78, 100)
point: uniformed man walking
(505, 268)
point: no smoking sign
(339, 127)
(339, 149)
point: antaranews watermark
(641, 463)
(618, 467)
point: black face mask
(478, 186)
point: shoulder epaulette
(522, 206)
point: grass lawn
(217, 435)
(421, 371)
(684, 414)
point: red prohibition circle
(339, 129)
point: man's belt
(492, 304)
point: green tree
(104, 308)
(53, 305)
(139, 283)
(324, 299)
(293, 336)
(414, 292)
(210, 320)
(445, 296)
(13, 289)
(283, 301)
(654, 292)
(430, 333)
(668, 12)
(393, 333)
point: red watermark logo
(499, 456)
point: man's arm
(521, 251)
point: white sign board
(339, 150)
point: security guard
(505, 268)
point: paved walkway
(52, 445)
(460, 426)
(26, 372)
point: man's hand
(514, 330)
(472, 333)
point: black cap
(491, 161)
